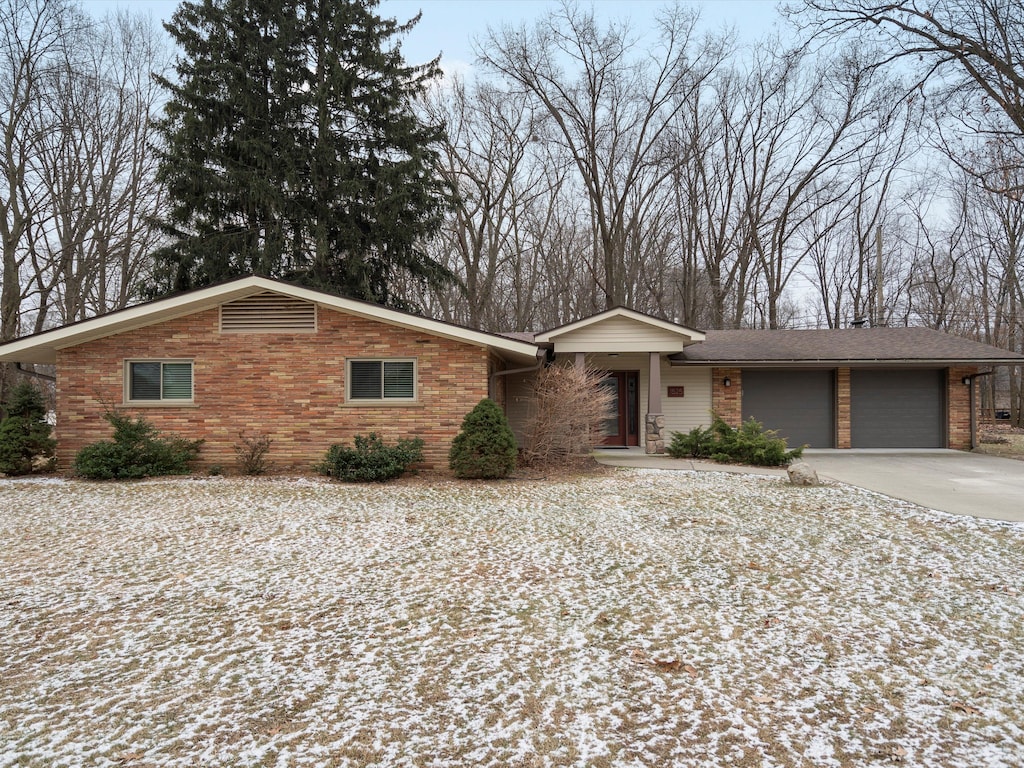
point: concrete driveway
(951, 481)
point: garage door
(799, 404)
(897, 409)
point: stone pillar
(654, 422)
(654, 431)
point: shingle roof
(42, 347)
(851, 345)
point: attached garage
(850, 387)
(897, 408)
(799, 404)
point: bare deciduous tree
(969, 52)
(611, 104)
(569, 411)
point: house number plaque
(676, 391)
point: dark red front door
(624, 427)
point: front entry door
(624, 427)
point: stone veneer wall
(727, 402)
(654, 433)
(289, 386)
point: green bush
(485, 447)
(24, 433)
(695, 444)
(370, 460)
(136, 451)
(750, 443)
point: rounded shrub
(485, 448)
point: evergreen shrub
(485, 448)
(750, 443)
(370, 460)
(24, 433)
(137, 450)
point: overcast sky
(449, 26)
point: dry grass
(1001, 440)
(630, 618)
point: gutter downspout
(35, 374)
(969, 381)
(492, 384)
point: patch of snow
(645, 618)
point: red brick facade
(288, 386)
(843, 437)
(727, 402)
(958, 399)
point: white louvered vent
(268, 313)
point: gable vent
(268, 313)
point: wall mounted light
(966, 381)
(727, 382)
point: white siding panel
(518, 404)
(619, 334)
(681, 413)
(693, 409)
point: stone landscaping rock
(802, 473)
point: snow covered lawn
(639, 618)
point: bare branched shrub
(569, 411)
(252, 453)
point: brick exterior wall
(727, 402)
(843, 408)
(958, 399)
(289, 386)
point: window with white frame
(158, 381)
(381, 380)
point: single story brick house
(308, 369)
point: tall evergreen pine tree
(292, 149)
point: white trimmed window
(158, 381)
(381, 380)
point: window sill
(380, 403)
(159, 404)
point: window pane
(398, 379)
(144, 381)
(366, 379)
(177, 381)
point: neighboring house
(309, 369)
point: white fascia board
(616, 348)
(689, 334)
(42, 348)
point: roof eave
(41, 348)
(847, 363)
(692, 335)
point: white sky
(449, 26)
